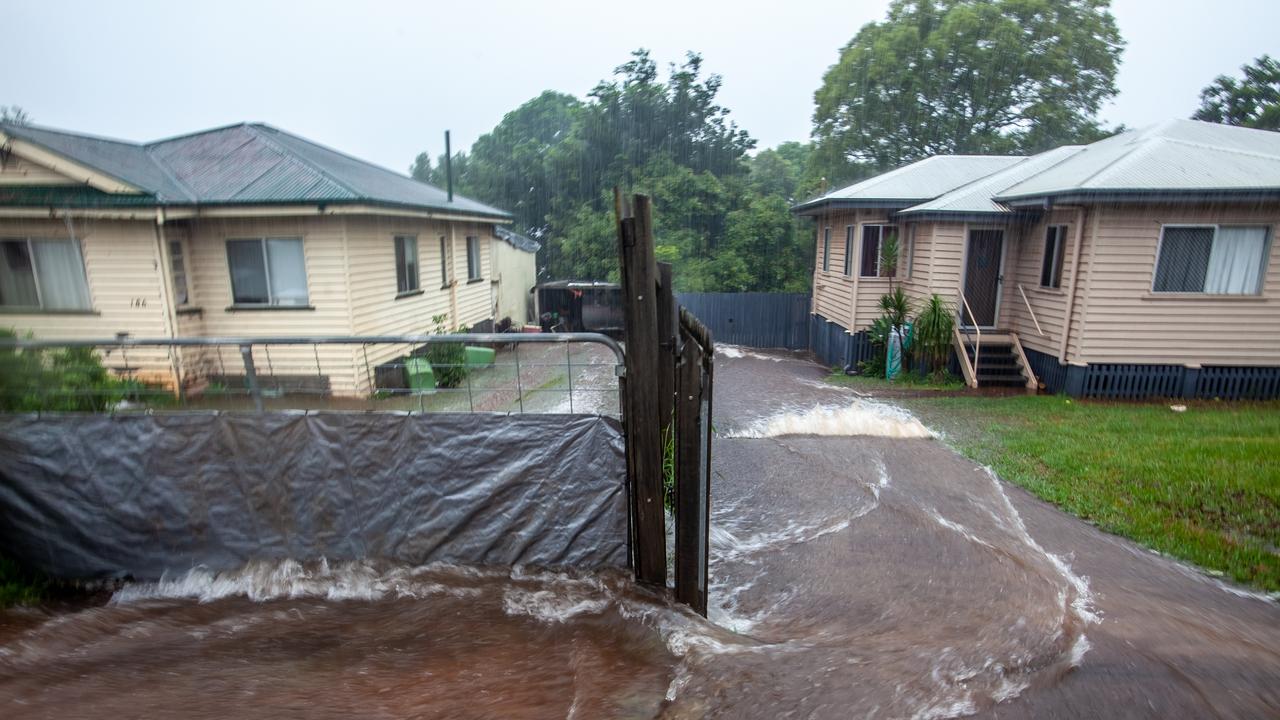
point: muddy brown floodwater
(860, 569)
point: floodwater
(860, 569)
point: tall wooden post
(644, 367)
(693, 463)
(667, 344)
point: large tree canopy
(721, 216)
(965, 76)
(1252, 101)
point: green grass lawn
(1201, 485)
(905, 381)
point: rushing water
(858, 570)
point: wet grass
(19, 586)
(905, 381)
(1202, 485)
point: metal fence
(760, 320)
(493, 372)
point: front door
(982, 276)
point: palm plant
(889, 252)
(933, 330)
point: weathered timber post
(668, 352)
(693, 462)
(643, 369)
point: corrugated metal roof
(921, 180)
(122, 160)
(975, 197)
(516, 240)
(247, 163)
(1178, 155)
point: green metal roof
(248, 163)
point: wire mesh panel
(503, 373)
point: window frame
(909, 249)
(409, 286)
(40, 307)
(271, 303)
(1057, 260)
(185, 256)
(879, 239)
(446, 247)
(848, 250)
(1269, 232)
(826, 249)
(474, 269)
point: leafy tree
(720, 216)
(965, 76)
(1252, 101)
(14, 115)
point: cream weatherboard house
(242, 231)
(1141, 265)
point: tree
(14, 115)
(1252, 101)
(720, 216)
(965, 76)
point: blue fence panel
(1238, 383)
(760, 320)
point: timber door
(982, 276)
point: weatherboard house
(1142, 265)
(244, 230)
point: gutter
(184, 212)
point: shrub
(933, 333)
(72, 379)
(448, 360)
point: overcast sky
(383, 80)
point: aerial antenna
(448, 165)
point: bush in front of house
(69, 380)
(448, 360)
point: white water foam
(858, 419)
(1083, 605)
(737, 352)
(269, 580)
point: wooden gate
(666, 413)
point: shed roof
(516, 240)
(247, 163)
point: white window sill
(1201, 297)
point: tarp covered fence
(89, 496)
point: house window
(826, 249)
(1055, 241)
(1213, 259)
(178, 272)
(267, 271)
(406, 263)
(848, 250)
(873, 236)
(473, 258)
(42, 274)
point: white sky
(383, 80)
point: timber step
(995, 361)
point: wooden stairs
(993, 358)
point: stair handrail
(1027, 302)
(977, 345)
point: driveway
(885, 575)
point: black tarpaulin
(88, 496)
